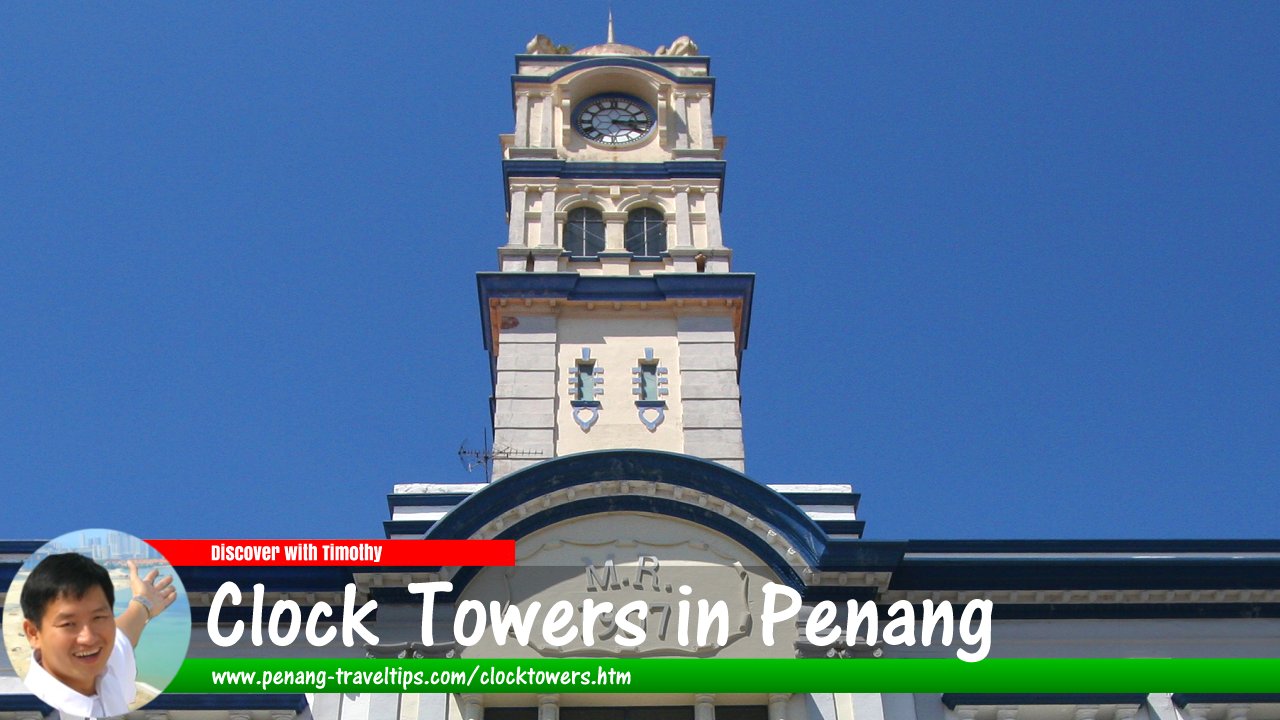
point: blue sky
(1017, 263)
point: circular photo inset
(96, 623)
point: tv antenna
(472, 458)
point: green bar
(728, 676)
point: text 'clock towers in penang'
(615, 321)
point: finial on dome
(610, 46)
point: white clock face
(613, 120)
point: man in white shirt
(81, 664)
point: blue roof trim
(588, 62)
(1185, 699)
(843, 527)
(996, 565)
(1092, 546)
(9, 568)
(599, 288)
(668, 170)
(406, 527)
(23, 703)
(16, 547)
(1087, 572)
(228, 701)
(705, 60)
(840, 594)
(952, 700)
(585, 469)
(178, 701)
(606, 288)
(818, 498)
(863, 555)
(1136, 611)
(395, 500)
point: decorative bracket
(652, 413)
(585, 413)
(651, 410)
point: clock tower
(614, 321)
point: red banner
(378, 553)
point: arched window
(584, 233)
(645, 234)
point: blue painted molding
(424, 500)
(589, 468)
(406, 527)
(574, 63)
(704, 60)
(669, 170)
(666, 170)
(994, 565)
(228, 701)
(953, 700)
(803, 498)
(1062, 564)
(1137, 547)
(20, 547)
(1136, 611)
(1185, 699)
(842, 527)
(25, 703)
(598, 288)
(177, 701)
(863, 555)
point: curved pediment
(643, 482)
(673, 587)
